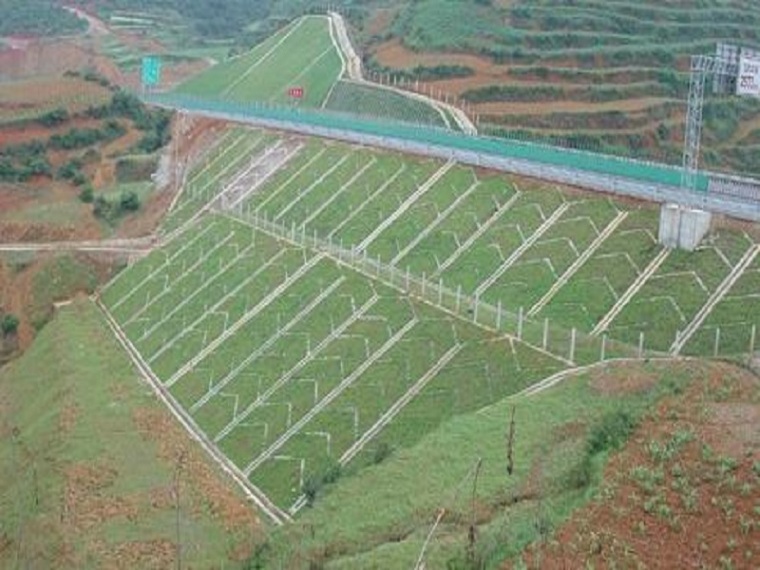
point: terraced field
(32, 98)
(587, 74)
(315, 300)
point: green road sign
(151, 71)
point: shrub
(611, 432)
(38, 166)
(79, 179)
(54, 118)
(314, 483)
(310, 488)
(135, 169)
(68, 170)
(103, 209)
(381, 452)
(87, 195)
(9, 324)
(129, 202)
(110, 211)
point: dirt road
(353, 72)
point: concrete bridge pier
(683, 227)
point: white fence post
(641, 344)
(752, 335)
(572, 345)
(716, 348)
(520, 324)
(498, 315)
(546, 333)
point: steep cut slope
(300, 55)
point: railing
(640, 179)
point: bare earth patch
(684, 492)
(88, 502)
(618, 378)
(148, 554)
(158, 426)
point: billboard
(748, 80)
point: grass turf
(79, 473)
(300, 55)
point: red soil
(694, 506)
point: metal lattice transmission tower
(702, 66)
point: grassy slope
(83, 483)
(301, 54)
(380, 518)
(367, 100)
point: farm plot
(300, 55)
(236, 149)
(32, 98)
(728, 329)
(293, 364)
(673, 295)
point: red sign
(296, 92)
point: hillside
(326, 314)
(684, 492)
(581, 74)
(457, 477)
(77, 155)
(90, 463)
(401, 361)
(300, 55)
(302, 65)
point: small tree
(102, 208)
(129, 201)
(9, 324)
(87, 195)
